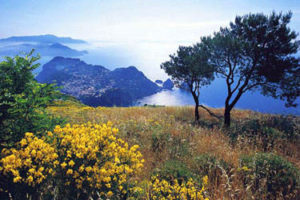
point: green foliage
(270, 176)
(207, 164)
(271, 46)
(64, 100)
(159, 139)
(23, 100)
(190, 67)
(174, 170)
(163, 141)
(288, 125)
(265, 131)
(255, 132)
(256, 52)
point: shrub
(159, 139)
(26, 169)
(174, 170)
(258, 132)
(23, 101)
(76, 162)
(188, 190)
(164, 139)
(271, 128)
(207, 164)
(93, 159)
(271, 176)
(287, 124)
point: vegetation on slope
(258, 157)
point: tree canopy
(190, 67)
(256, 52)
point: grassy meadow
(257, 158)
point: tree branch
(210, 112)
(237, 85)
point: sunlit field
(258, 157)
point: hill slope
(95, 85)
(174, 146)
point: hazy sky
(130, 20)
(153, 27)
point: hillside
(173, 146)
(95, 85)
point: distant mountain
(168, 84)
(42, 39)
(159, 82)
(55, 49)
(95, 85)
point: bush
(25, 170)
(258, 132)
(174, 170)
(23, 101)
(271, 177)
(74, 162)
(188, 190)
(163, 140)
(271, 127)
(159, 139)
(207, 164)
(287, 124)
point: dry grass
(166, 133)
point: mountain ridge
(47, 38)
(95, 85)
(45, 49)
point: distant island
(95, 85)
(43, 49)
(48, 38)
(45, 45)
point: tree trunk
(227, 117)
(197, 111)
(196, 99)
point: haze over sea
(113, 56)
(142, 34)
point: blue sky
(130, 20)
(147, 31)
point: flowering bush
(83, 160)
(32, 163)
(29, 166)
(93, 159)
(162, 190)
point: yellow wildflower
(63, 165)
(17, 179)
(88, 169)
(30, 179)
(69, 171)
(109, 194)
(23, 142)
(50, 134)
(71, 163)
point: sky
(145, 31)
